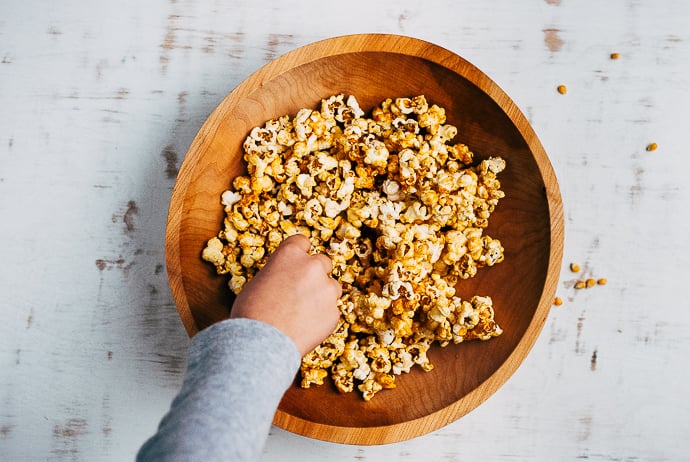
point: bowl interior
(523, 221)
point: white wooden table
(99, 101)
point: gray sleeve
(238, 370)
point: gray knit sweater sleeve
(238, 370)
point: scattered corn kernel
(574, 267)
(615, 55)
(580, 285)
(557, 301)
(591, 282)
(562, 89)
(652, 147)
(602, 281)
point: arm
(239, 369)
(237, 373)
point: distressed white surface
(100, 100)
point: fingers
(303, 243)
(324, 261)
(299, 240)
(337, 287)
(326, 265)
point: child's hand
(294, 293)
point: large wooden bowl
(528, 221)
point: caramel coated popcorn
(398, 207)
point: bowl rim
(416, 48)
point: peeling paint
(121, 93)
(552, 40)
(402, 19)
(5, 431)
(585, 430)
(108, 264)
(72, 428)
(170, 155)
(30, 319)
(128, 217)
(182, 97)
(274, 41)
(580, 324)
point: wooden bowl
(528, 221)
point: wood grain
(529, 222)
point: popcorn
(229, 198)
(399, 209)
(305, 183)
(375, 153)
(214, 252)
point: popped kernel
(399, 209)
